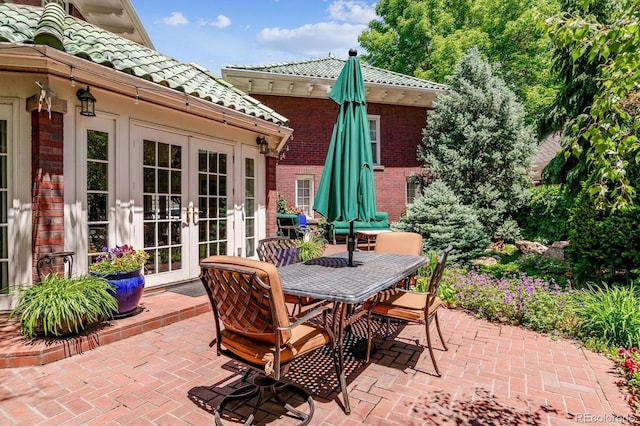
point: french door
(199, 199)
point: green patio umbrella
(346, 191)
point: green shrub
(442, 220)
(609, 315)
(546, 217)
(604, 244)
(59, 305)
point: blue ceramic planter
(128, 288)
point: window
(374, 132)
(4, 207)
(97, 192)
(413, 189)
(304, 194)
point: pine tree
(477, 142)
(441, 219)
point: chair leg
(265, 388)
(444, 345)
(430, 347)
(369, 338)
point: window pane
(97, 145)
(163, 155)
(97, 176)
(97, 207)
(176, 157)
(3, 171)
(202, 161)
(3, 137)
(4, 245)
(97, 238)
(4, 207)
(149, 153)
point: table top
(372, 232)
(330, 278)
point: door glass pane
(212, 201)
(97, 192)
(249, 207)
(162, 196)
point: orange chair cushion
(404, 305)
(399, 243)
(304, 338)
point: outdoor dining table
(329, 278)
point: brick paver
(492, 375)
(146, 379)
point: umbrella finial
(353, 52)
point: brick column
(47, 193)
(272, 196)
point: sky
(218, 33)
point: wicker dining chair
(282, 251)
(253, 327)
(401, 304)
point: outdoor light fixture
(87, 102)
(264, 145)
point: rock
(485, 260)
(556, 251)
(529, 247)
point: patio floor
(157, 369)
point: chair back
(280, 251)
(434, 283)
(399, 243)
(246, 297)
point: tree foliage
(605, 134)
(476, 141)
(427, 38)
(442, 220)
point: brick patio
(164, 373)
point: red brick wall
(272, 197)
(313, 120)
(48, 184)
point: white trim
(19, 217)
(311, 180)
(376, 119)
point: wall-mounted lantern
(87, 102)
(264, 145)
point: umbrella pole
(351, 243)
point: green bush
(546, 217)
(604, 244)
(609, 315)
(442, 220)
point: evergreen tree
(441, 219)
(477, 142)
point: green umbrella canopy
(346, 191)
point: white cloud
(352, 11)
(176, 19)
(313, 39)
(221, 22)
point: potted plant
(122, 266)
(59, 306)
(312, 245)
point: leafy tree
(476, 141)
(604, 135)
(441, 219)
(427, 38)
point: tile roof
(330, 68)
(20, 24)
